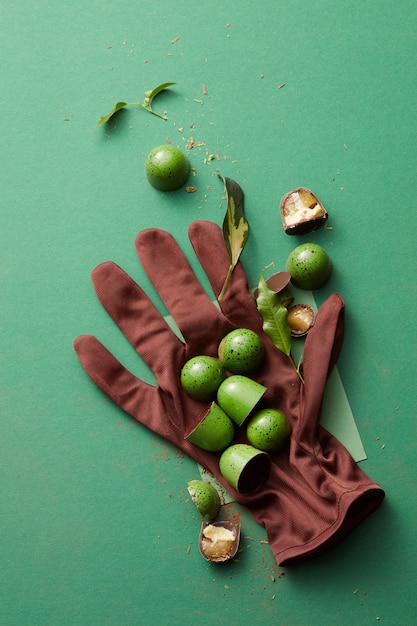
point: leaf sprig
(275, 325)
(146, 104)
(235, 226)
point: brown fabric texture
(316, 493)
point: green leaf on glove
(146, 104)
(275, 325)
(235, 226)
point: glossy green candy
(205, 497)
(201, 377)
(238, 396)
(246, 468)
(309, 265)
(167, 168)
(215, 430)
(268, 430)
(241, 351)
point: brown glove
(315, 493)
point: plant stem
(296, 368)
(147, 107)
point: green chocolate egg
(167, 168)
(268, 430)
(309, 265)
(214, 431)
(241, 351)
(201, 377)
(238, 395)
(205, 497)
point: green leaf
(274, 315)
(235, 226)
(150, 95)
(115, 109)
(275, 325)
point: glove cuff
(313, 499)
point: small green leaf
(235, 226)
(150, 95)
(115, 109)
(274, 315)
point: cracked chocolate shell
(300, 319)
(302, 212)
(219, 541)
(279, 284)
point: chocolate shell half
(279, 283)
(219, 541)
(300, 319)
(301, 212)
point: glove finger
(173, 278)
(322, 347)
(139, 320)
(142, 401)
(169, 415)
(111, 376)
(237, 304)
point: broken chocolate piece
(300, 319)
(219, 541)
(279, 283)
(301, 212)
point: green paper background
(96, 524)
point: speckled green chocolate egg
(205, 497)
(268, 430)
(238, 396)
(309, 265)
(201, 377)
(241, 351)
(214, 430)
(167, 168)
